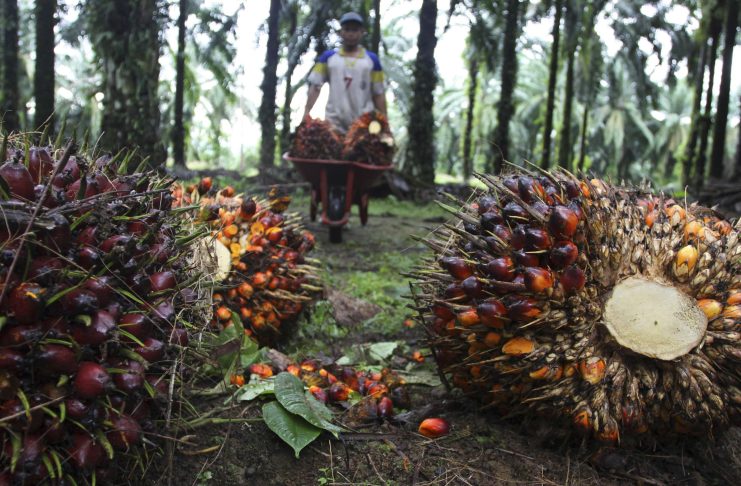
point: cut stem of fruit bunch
(92, 311)
(610, 308)
(265, 279)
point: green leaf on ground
(382, 351)
(289, 390)
(292, 429)
(255, 388)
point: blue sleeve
(324, 56)
(376, 61)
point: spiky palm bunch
(608, 307)
(96, 294)
(368, 140)
(316, 139)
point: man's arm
(314, 91)
(379, 101)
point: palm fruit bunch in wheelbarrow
(374, 394)
(316, 139)
(610, 308)
(369, 140)
(95, 296)
(265, 277)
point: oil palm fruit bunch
(369, 140)
(266, 278)
(316, 139)
(94, 294)
(610, 308)
(374, 393)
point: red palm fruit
(472, 287)
(136, 324)
(492, 313)
(454, 292)
(572, 279)
(526, 259)
(262, 370)
(563, 222)
(44, 269)
(76, 408)
(204, 185)
(91, 188)
(179, 336)
(457, 267)
(318, 393)
(501, 269)
(164, 310)
(88, 236)
(91, 380)
(125, 432)
(56, 359)
(530, 189)
(26, 302)
(133, 377)
(53, 431)
(97, 332)
(162, 281)
(514, 213)
(85, 453)
(137, 227)
(32, 448)
(102, 287)
(80, 301)
(443, 312)
(153, 350)
(523, 309)
(18, 178)
(485, 203)
(40, 164)
(339, 392)
(377, 390)
(385, 408)
(537, 239)
(491, 219)
(113, 242)
(11, 359)
(563, 254)
(502, 232)
(538, 279)
(88, 257)
(468, 317)
(519, 238)
(20, 334)
(434, 427)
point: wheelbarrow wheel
(313, 205)
(335, 234)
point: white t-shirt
(353, 80)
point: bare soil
(482, 449)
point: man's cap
(351, 17)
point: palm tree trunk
(266, 115)
(126, 38)
(552, 75)
(376, 35)
(583, 144)
(9, 107)
(421, 148)
(473, 75)
(706, 118)
(43, 80)
(285, 130)
(689, 154)
(500, 140)
(737, 168)
(571, 44)
(178, 132)
(721, 112)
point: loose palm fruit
(612, 307)
(434, 427)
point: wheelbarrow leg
(313, 205)
(364, 209)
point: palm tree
(572, 26)
(266, 115)
(421, 127)
(553, 72)
(43, 80)
(721, 115)
(10, 99)
(178, 131)
(500, 138)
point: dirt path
(482, 449)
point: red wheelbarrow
(337, 184)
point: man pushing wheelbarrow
(344, 155)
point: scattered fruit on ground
(434, 427)
(606, 307)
